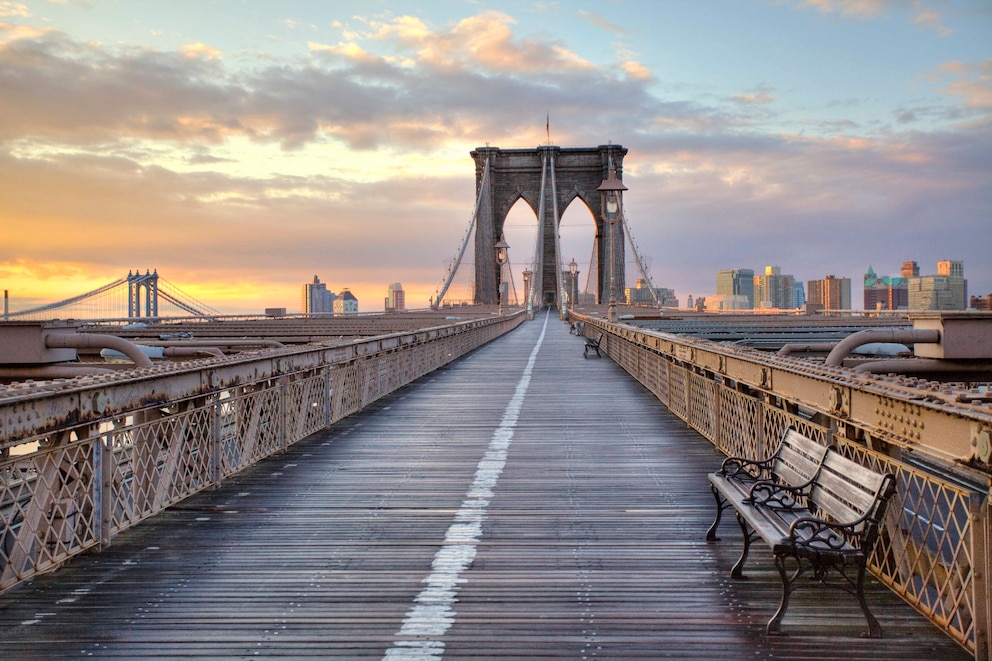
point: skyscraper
(736, 282)
(948, 290)
(316, 299)
(774, 290)
(798, 294)
(831, 293)
(887, 293)
(909, 269)
(396, 298)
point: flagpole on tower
(547, 127)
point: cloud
(636, 70)
(14, 9)
(848, 8)
(759, 96)
(972, 82)
(602, 23)
(198, 50)
(921, 14)
(931, 20)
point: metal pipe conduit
(805, 347)
(898, 335)
(96, 341)
(924, 366)
(177, 352)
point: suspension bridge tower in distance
(548, 178)
(137, 285)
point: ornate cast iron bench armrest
(737, 468)
(820, 535)
(770, 494)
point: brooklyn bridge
(479, 485)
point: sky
(240, 147)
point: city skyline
(240, 148)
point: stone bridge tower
(548, 179)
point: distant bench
(810, 504)
(594, 345)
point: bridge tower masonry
(135, 284)
(548, 178)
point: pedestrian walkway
(522, 502)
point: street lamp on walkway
(502, 250)
(611, 203)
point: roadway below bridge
(521, 502)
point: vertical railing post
(216, 455)
(717, 418)
(103, 471)
(981, 530)
(283, 406)
(327, 396)
(759, 428)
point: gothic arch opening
(520, 232)
(578, 243)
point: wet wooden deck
(591, 543)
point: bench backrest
(797, 459)
(847, 492)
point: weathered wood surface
(592, 546)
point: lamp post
(528, 275)
(501, 257)
(573, 269)
(611, 203)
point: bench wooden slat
(844, 489)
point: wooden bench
(825, 525)
(592, 344)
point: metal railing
(83, 459)
(934, 549)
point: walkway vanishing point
(496, 508)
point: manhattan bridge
(134, 297)
(469, 481)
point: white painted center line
(433, 612)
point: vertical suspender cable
(593, 256)
(637, 258)
(468, 235)
(537, 287)
(554, 220)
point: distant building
(888, 293)
(948, 290)
(798, 295)
(774, 290)
(831, 293)
(641, 295)
(909, 269)
(981, 303)
(722, 302)
(736, 282)
(345, 303)
(396, 298)
(316, 299)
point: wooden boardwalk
(575, 530)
